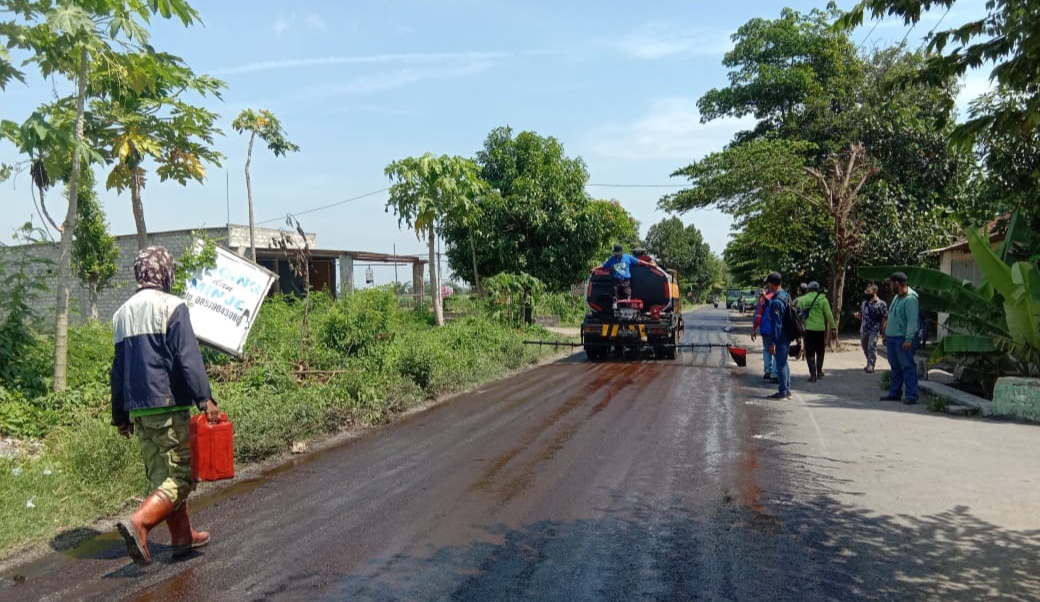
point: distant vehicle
(732, 298)
(750, 299)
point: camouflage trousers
(166, 448)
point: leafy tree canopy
(538, 218)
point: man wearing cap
(620, 264)
(819, 320)
(763, 325)
(780, 347)
(899, 340)
(157, 376)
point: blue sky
(359, 84)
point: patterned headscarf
(154, 268)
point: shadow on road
(819, 550)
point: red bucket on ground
(212, 449)
(739, 355)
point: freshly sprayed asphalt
(621, 481)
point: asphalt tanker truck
(649, 322)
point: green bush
(367, 361)
(21, 418)
(90, 355)
(570, 308)
(359, 321)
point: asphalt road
(574, 481)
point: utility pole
(227, 197)
(397, 283)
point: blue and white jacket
(157, 363)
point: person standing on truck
(781, 345)
(642, 255)
(157, 375)
(620, 266)
(819, 320)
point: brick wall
(123, 284)
(238, 238)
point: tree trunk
(838, 291)
(138, 205)
(92, 287)
(249, 196)
(61, 322)
(435, 285)
(46, 214)
(476, 274)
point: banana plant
(1000, 317)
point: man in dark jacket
(780, 344)
(157, 375)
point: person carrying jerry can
(157, 375)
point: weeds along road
(571, 482)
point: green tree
(837, 195)
(793, 66)
(45, 140)
(264, 124)
(94, 251)
(682, 248)
(1008, 177)
(815, 98)
(426, 191)
(1008, 38)
(539, 220)
(141, 114)
(63, 39)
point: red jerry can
(212, 449)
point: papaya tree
(65, 40)
(264, 124)
(145, 116)
(428, 190)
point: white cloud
(389, 80)
(657, 40)
(314, 21)
(373, 109)
(671, 129)
(283, 23)
(419, 58)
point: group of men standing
(897, 325)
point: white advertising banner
(223, 301)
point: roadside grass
(359, 361)
(938, 404)
(886, 380)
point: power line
(329, 206)
(375, 192)
(870, 33)
(638, 185)
(937, 24)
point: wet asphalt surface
(617, 481)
